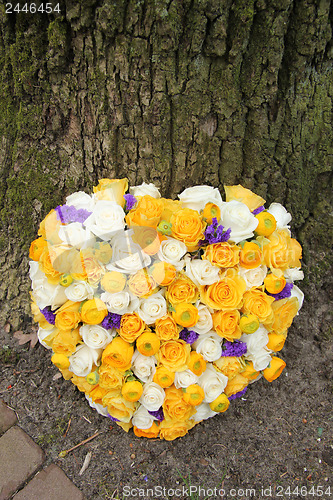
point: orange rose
(148, 343)
(68, 316)
(36, 248)
(196, 363)
(148, 239)
(188, 227)
(93, 311)
(118, 354)
(182, 289)
(249, 372)
(275, 283)
(222, 254)
(131, 327)
(141, 284)
(185, 314)
(274, 369)
(172, 429)
(110, 377)
(226, 324)
(210, 212)
(276, 341)
(267, 224)
(250, 255)
(175, 407)
(166, 328)
(97, 394)
(281, 251)
(174, 355)
(151, 433)
(244, 195)
(226, 293)
(193, 395)
(257, 302)
(147, 212)
(164, 377)
(284, 312)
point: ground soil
(278, 436)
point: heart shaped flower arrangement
(163, 311)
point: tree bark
(176, 92)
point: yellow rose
(236, 384)
(151, 433)
(222, 254)
(36, 248)
(249, 323)
(110, 377)
(49, 228)
(126, 427)
(173, 429)
(68, 316)
(226, 324)
(163, 377)
(97, 394)
(210, 212)
(47, 258)
(148, 343)
(148, 239)
(250, 255)
(93, 311)
(174, 355)
(244, 195)
(132, 390)
(85, 266)
(169, 208)
(103, 252)
(141, 284)
(188, 227)
(39, 317)
(118, 354)
(119, 408)
(166, 328)
(274, 369)
(196, 363)
(65, 342)
(174, 406)
(257, 302)
(249, 372)
(182, 289)
(66, 373)
(82, 384)
(275, 282)
(267, 224)
(230, 366)
(113, 282)
(131, 327)
(163, 273)
(112, 190)
(60, 361)
(147, 212)
(220, 404)
(193, 395)
(184, 314)
(284, 312)
(281, 251)
(227, 293)
(276, 341)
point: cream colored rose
(236, 216)
(293, 274)
(106, 218)
(127, 256)
(81, 200)
(82, 361)
(76, 235)
(201, 272)
(142, 419)
(102, 410)
(152, 308)
(203, 412)
(209, 346)
(46, 294)
(95, 336)
(145, 189)
(205, 321)
(185, 378)
(79, 291)
(144, 367)
(120, 302)
(213, 383)
(172, 251)
(198, 196)
(253, 277)
(152, 397)
(280, 214)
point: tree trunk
(176, 92)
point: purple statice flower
(215, 233)
(112, 320)
(114, 419)
(284, 294)
(188, 335)
(235, 348)
(130, 201)
(257, 211)
(68, 213)
(159, 414)
(48, 315)
(238, 394)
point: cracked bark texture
(176, 92)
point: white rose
(172, 251)
(256, 340)
(127, 256)
(205, 321)
(152, 308)
(198, 196)
(201, 272)
(209, 346)
(213, 383)
(203, 412)
(142, 419)
(120, 302)
(34, 271)
(280, 214)
(253, 277)
(75, 235)
(237, 216)
(102, 410)
(297, 292)
(81, 200)
(293, 274)
(145, 189)
(95, 336)
(143, 367)
(46, 294)
(185, 378)
(43, 334)
(79, 291)
(107, 217)
(83, 359)
(260, 359)
(152, 397)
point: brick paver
(7, 418)
(50, 484)
(20, 457)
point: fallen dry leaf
(23, 338)
(7, 328)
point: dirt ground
(278, 437)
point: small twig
(63, 453)
(68, 426)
